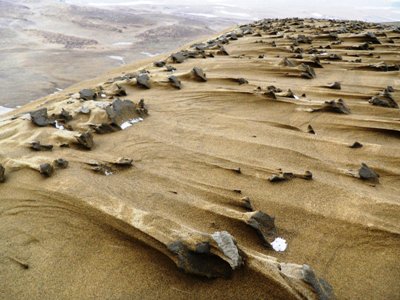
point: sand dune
(241, 141)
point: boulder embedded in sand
(37, 146)
(159, 64)
(121, 111)
(366, 173)
(264, 226)
(143, 80)
(87, 94)
(61, 163)
(39, 117)
(199, 74)
(175, 82)
(85, 140)
(2, 174)
(356, 145)
(178, 57)
(334, 85)
(46, 169)
(338, 106)
(384, 99)
(200, 261)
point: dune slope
(251, 138)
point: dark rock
(141, 108)
(199, 74)
(123, 162)
(63, 116)
(2, 174)
(61, 163)
(87, 94)
(121, 111)
(335, 85)
(264, 226)
(371, 38)
(39, 117)
(36, 146)
(287, 63)
(178, 57)
(338, 106)
(307, 72)
(384, 99)
(222, 51)
(85, 140)
(46, 169)
(321, 287)
(310, 129)
(246, 203)
(104, 128)
(366, 173)
(389, 89)
(143, 80)
(159, 64)
(242, 81)
(200, 261)
(170, 68)
(119, 91)
(281, 177)
(356, 145)
(175, 82)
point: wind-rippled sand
(212, 161)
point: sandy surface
(81, 234)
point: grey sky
(368, 10)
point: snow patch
(279, 244)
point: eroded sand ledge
(248, 126)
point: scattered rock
(123, 162)
(178, 57)
(87, 94)
(104, 128)
(141, 108)
(143, 80)
(37, 146)
(159, 64)
(356, 145)
(242, 81)
(39, 117)
(338, 106)
(366, 173)
(335, 85)
(199, 74)
(121, 111)
(307, 72)
(85, 140)
(384, 99)
(287, 63)
(310, 129)
(175, 82)
(170, 68)
(264, 226)
(246, 203)
(200, 261)
(61, 163)
(222, 51)
(2, 174)
(46, 169)
(321, 287)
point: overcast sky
(368, 10)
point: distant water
(367, 10)
(4, 110)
